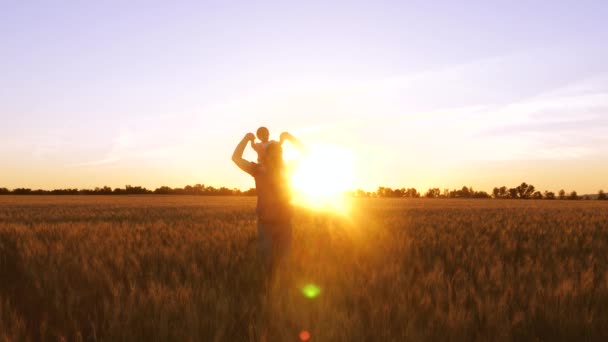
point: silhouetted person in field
(274, 209)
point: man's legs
(265, 246)
(274, 244)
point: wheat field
(173, 268)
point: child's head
(262, 134)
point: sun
(320, 176)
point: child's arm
(287, 136)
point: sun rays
(321, 176)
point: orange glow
(304, 335)
(320, 176)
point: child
(263, 134)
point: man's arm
(237, 155)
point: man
(274, 209)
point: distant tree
(106, 190)
(521, 189)
(4, 191)
(70, 191)
(573, 196)
(504, 193)
(530, 190)
(562, 194)
(466, 192)
(432, 193)
(396, 193)
(455, 193)
(163, 190)
(481, 194)
(223, 191)
(136, 190)
(22, 191)
(381, 192)
(601, 195)
(501, 192)
(537, 195)
(549, 195)
(412, 193)
(388, 192)
(525, 191)
(513, 193)
(252, 192)
(496, 192)
(198, 189)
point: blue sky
(427, 93)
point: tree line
(197, 189)
(522, 191)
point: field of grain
(170, 268)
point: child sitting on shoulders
(260, 147)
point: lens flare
(304, 335)
(321, 176)
(311, 291)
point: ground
(172, 268)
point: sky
(424, 93)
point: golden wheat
(169, 268)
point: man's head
(263, 134)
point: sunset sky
(423, 93)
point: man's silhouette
(274, 209)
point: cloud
(558, 121)
(569, 122)
(498, 108)
(142, 142)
